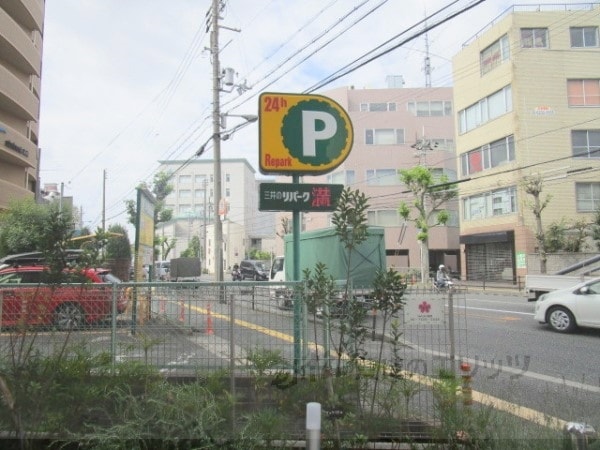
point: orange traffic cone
(209, 326)
(181, 311)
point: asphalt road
(521, 361)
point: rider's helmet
(441, 266)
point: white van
(277, 269)
(280, 294)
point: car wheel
(561, 319)
(256, 277)
(69, 316)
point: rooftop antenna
(427, 61)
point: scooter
(441, 286)
(236, 275)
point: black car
(256, 270)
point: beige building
(244, 226)
(527, 97)
(21, 32)
(396, 128)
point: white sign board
(420, 310)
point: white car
(566, 309)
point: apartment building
(21, 33)
(527, 97)
(244, 226)
(396, 128)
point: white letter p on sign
(310, 135)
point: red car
(65, 306)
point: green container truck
(359, 265)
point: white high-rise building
(194, 212)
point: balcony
(29, 13)
(16, 98)
(10, 191)
(17, 46)
(16, 149)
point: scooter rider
(235, 273)
(442, 278)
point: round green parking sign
(322, 137)
(302, 134)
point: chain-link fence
(184, 329)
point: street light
(249, 118)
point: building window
(185, 179)
(494, 55)
(534, 37)
(346, 177)
(382, 177)
(452, 218)
(583, 92)
(443, 144)
(486, 109)
(488, 156)
(227, 192)
(584, 37)
(433, 108)
(438, 173)
(199, 179)
(185, 210)
(585, 143)
(383, 218)
(199, 193)
(227, 178)
(377, 107)
(588, 197)
(384, 136)
(185, 193)
(494, 203)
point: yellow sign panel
(302, 134)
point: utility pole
(217, 87)
(104, 200)
(204, 214)
(216, 137)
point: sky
(128, 83)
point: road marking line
(522, 412)
(496, 310)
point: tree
(351, 226)
(596, 228)
(560, 236)
(194, 249)
(161, 189)
(430, 193)
(533, 186)
(163, 246)
(350, 221)
(118, 247)
(555, 236)
(286, 227)
(576, 239)
(23, 226)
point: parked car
(66, 306)
(566, 309)
(254, 269)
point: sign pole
(296, 272)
